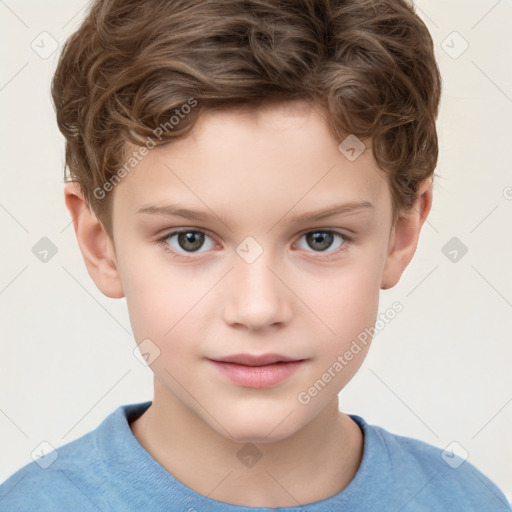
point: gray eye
(322, 240)
(188, 240)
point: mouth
(256, 360)
(257, 371)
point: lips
(255, 360)
(257, 371)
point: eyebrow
(175, 210)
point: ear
(96, 246)
(404, 236)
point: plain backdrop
(439, 372)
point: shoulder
(75, 476)
(59, 480)
(430, 475)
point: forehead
(281, 156)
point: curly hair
(133, 67)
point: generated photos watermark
(139, 154)
(362, 339)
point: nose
(258, 297)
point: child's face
(255, 283)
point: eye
(187, 240)
(321, 240)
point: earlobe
(404, 237)
(96, 247)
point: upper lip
(255, 360)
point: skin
(256, 169)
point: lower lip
(258, 377)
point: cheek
(345, 298)
(346, 301)
(168, 304)
(155, 294)
(160, 309)
(346, 305)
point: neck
(314, 463)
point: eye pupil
(190, 240)
(323, 237)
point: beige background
(440, 371)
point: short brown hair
(133, 64)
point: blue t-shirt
(108, 470)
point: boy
(297, 142)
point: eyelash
(322, 256)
